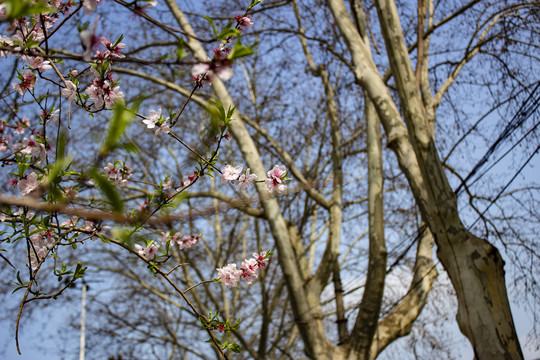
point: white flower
(148, 253)
(245, 180)
(230, 173)
(90, 6)
(70, 91)
(28, 185)
(152, 119)
(37, 63)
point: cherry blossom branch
(165, 275)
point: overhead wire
(526, 110)
(524, 113)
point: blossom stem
(202, 282)
(197, 85)
(193, 151)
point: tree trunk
(475, 266)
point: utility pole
(83, 320)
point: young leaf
(16, 9)
(234, 348)
(120, 120)
(108, 190)
(211, 22)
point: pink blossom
(151, 251)
(71, 222)
(230, 173)
(27, 83)
(245, 180)
(162, 127)
(274, 182)
(261, 259)
(188, 241)
(164, 238)
(95, 94)
(218, 68)
(120, 175)
(110, 170)
(41, 243)
(219, 328)
(88, 38)
(19, 130)
(102, 94)
(249, 270)
(113, 51)
(229, 275)
(28, 184)
(148, 253)
(152, 119)
(89, 226)
(70, 91)
(70, 193)
(37, 63)
(112, 96)
(244, 21)
(186, 181)
(12, 182)
(30, 146)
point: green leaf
(211, 22)
(117, 126)
(234, 348)
(16, 9)
(61, 146)
(180, 52)
(240, 50)
(54, 177)
(228, 31)
(108, 190)
(79, 271)
(254, 2)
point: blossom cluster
(26, 33)
(220, 65)
(27, 82)
(274, 181)
(41, 243)
(104, 92)
(229, 275)
(120, 175)
(183, 242)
